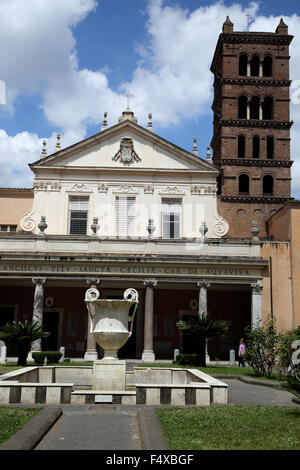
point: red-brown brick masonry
(251, 100)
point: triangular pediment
(125, 145)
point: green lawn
(231, 428)
(10, 367)
(13, 419)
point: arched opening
(254, 66)
(254, 107)
(268, 184)
(255, 146)
(241, 146)
(242, 107)
(243, 61)
(243, 184)
(270, 146)
(267, 66)
(267, 108)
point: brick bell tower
(251, 138)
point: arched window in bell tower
(243, 184)
(241, 146)
(254, 107)
(268, 185)
(254, 66)
(255, 146)
(267, 66)
(243, 61)
(270, 146)
(267, 108)
(242, 107)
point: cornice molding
(254, 81)
(100, 171)
(257, 199)
(256, 162)
(246, 37)
(269, 124)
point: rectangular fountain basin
(144, 386)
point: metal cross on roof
(248, 20)
(128, 96)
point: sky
(63, 63)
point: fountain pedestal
(109, 374)
(110, 320)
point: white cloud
(37, 42)
(172, 79)
(175, 81)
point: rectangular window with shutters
(78, 214)
(171, 218)
(125, 216)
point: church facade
(126, 208)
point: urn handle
(92, 294)
(133, 296)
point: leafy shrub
(285, 350)
(53, 357)
(267, 350)
(261, 347)
(293, 377)
(187, 359)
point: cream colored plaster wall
(279, 252)
(195, 207)
(13, 207)
(279, 226)
(295, 263)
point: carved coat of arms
(126, 154)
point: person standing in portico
(241, 353)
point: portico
(170, 286)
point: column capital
(39, 280)
(257, 287)
(93, 281)
(203, 283)
(150, 283)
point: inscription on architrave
(163, 270)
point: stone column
(202, 286)
(248, 69)
(256, 304)
(148, 354)
(260, 111)
(91, 353)
(38, 310)
(248, 110)
(260, 69)
(202, 309)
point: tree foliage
(202, 328)
(261, 347)
(268, 350)
(22, 333)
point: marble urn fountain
(111, 325)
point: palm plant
(22, 333)
(202, 328)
